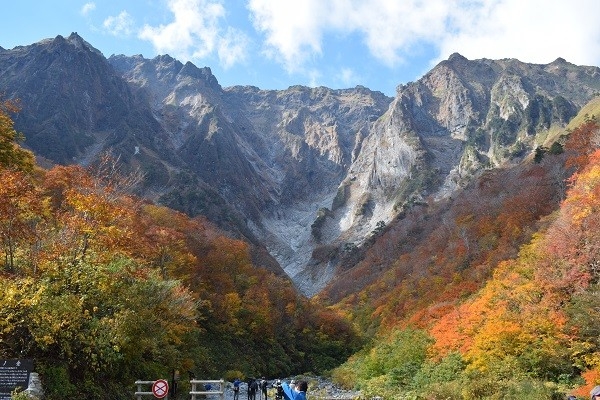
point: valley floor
(319, 389)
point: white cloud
(295, 31)
(391, 30)
(232, 47)
(536, 31)
(196, 32)
(119, 25)
(87, 8)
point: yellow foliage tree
(12, 156)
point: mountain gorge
(439, 244)
(310, 176)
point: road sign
(160, 388)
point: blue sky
(274, 44)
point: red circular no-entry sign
(160, 388)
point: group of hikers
(283, 390)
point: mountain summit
(307, 175)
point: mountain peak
(78, 42)
(456, 57)
(560, 61)
(204, 74)
(74, 36)
(276, 158)
(165, 58)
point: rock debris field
(318, 389)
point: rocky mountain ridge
(306, 174)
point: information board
(14, 374)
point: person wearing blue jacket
(236, 389)
(298, 394)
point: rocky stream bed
(318, 389)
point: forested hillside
(309, 176)
(478, 322)
(101, 288)
(490, 293)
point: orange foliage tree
(22, 211)
(520, 314)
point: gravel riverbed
(318, 389)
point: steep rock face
(438, 133)
(311, 136)
(475, 113)
(309, 174)
(74, 104)
(262, 149)
(187, 102)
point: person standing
(302, 388)
(279, 393)
(252, 389)
(263, 388)
(236, 388)
(298, 394)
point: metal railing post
(195, 390)
(139, 393)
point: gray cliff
(305, 174)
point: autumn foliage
(500, 325)
(102, 288)
(490, 294)
(12, 156)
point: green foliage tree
(539, 154)
(102, 322)
(389, 367)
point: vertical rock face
(438, 133)
(461, 117)
(309, 173)
(63, 71)
(311, 137)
